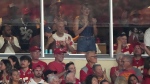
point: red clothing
(56, 66)
(138, 63)
(126, 50)
(7, 77)
(112, 72)
(77, 81)
(85, 71)
(43, 64)
(146, 77)
(25, 76)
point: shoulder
(65, 34)
(42, 62)
(85, 69)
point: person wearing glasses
(128, 69)
(87, 69)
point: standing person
(87, 70)
(38, 72)
(35, 54)
(8, 42)
(14, 62)
(5, 68)
(85, 27)
(25, 71)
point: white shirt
(147, 37)
(33, 82)
(9, 48)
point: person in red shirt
(87, 70)
(122, 46)
(25, 71)
(57, 64)
(114, 70)
(35, 54)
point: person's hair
(88, 52)
(15, 59)
(122, 34)
(118, 55)
(103, 81)
(68, 64)
(48, 72)
(3, 27)
(7, 65)
(132, 75)
(147, 63)
(129, 58)
(25, 57)
(95, 65)
(51, 78)
(121, 80)
(89, 78)
(67, 73)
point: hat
(59, 51)
(25, 11)
(40, 66)
(48, 29)
(34, 48)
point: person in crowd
(57, 64)
(133, 79)
(62, 39)
(97, 69)
(8, 43)
(70, 67)
(38, 72)
(5, 68)
(114, 70)
(15, 77)
(14, 62)
(91, 79)
(85, 26)
(26, 66)
(48, 73)
(146, 38)
(121, 80)
(104, 82)
(146, 74)
(129, 69)
(35, 54)
(54, 79)
(122, 46)
(87, 70)
(138, 61)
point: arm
(3, 48)
(143, 46)
(70, 44)
(15, 44)
(94, 26)
(83, 76)
(76, 29)
(118, 50)
(50, 40)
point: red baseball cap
(38, 66)
(34, 48)
(59, 51)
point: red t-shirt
(138, 63)
(43, 64)
(112, 72)
(126, 50)
(56, 66)
(25, 76)
(77, 81)
(84, 72)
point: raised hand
(142, 45)
(68, 40)
(119, 40)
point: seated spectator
(71, 68)
(114, 70)
(70, 78)
(57, 64)
(128, 69)
(122, 46)
(121, 80)
(25, 71)
(8, 43)
(14, 62)
(133, 79)
(15, 77)
(97, 69)
(87, 70)
(104, 82)
(146, 74)
(5, 68)
(91, 79)
(35, 54)
(53, 79)
(38, 72)
(63, 40)
(48, 73)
